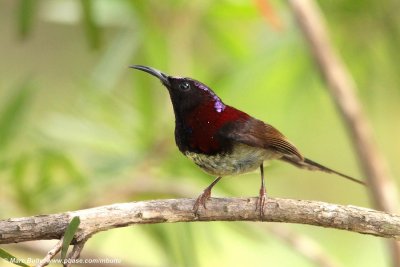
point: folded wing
(256, 133)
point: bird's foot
(262, 198)
(201, 200)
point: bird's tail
(313, 166)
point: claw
(201, 200)
(206, 195)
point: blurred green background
(79, 129)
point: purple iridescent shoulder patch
(218, 105)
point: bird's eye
(185, 86)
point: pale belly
(243, 159)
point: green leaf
(25, 15)
(10, 258)
(69, 235)
(92, 30)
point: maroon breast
(203, 124)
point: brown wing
(256, 133)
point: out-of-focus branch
(342, 88)
(94, 220)
(304, 245)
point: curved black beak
(163, 77)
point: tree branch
(351, 218)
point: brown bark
(52, 226)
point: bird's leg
(263, 194)
(201, 200)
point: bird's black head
(186, 93)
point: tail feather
(313, 166)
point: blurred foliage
(26, 11)
(82, 129)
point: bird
(225, 141)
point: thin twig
(75, 253)
(50, 254)
(103, 218)
(342, 88)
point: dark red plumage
(204, 124)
